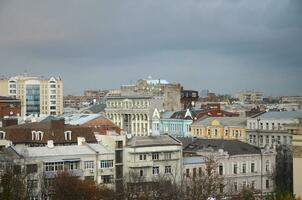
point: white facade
(270, 128)
(238, 171)
(152, 161)
(86, 161)
(132, 114)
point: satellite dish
(129, 136)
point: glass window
(89, 164)
(106, 163)
(107, 178)
(243, 168)
(168, 169)
(220, 169)
(252, 167)
(155, 156)
(155, 170)
(187, 172)
(235, 168)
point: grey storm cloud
(224, 45)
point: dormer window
(37, 135)
(2, 135)
(67, 135)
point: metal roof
(224, 121)
(282, 115)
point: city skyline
(224, 46)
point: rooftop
(282, 115)
(63, 150)
(233, 147)
(222, 121)
(148, 141)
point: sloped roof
(22, 134)
(281, 115)
(224, 121)
(148, 141)
(233, 147)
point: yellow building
(296, 130)
(37, 95)
(220, 128)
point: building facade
(37, 95)
(132, 113)
(240, 164)
(296, 130)
(270, 128)
(85, 161)
(250, 96)
(169, 92)
(220, 128)
(150, 157)
(172, 123)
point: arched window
(67, 135)
(2, 135)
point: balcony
(74, 172)
(140, 164)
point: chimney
(57, 124)
(50, 144)
(6, 122)
(81, 141)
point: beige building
(296, 130)
(220, 128)
(37, 95)
(169, 92)
(250, 96)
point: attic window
(67, 135)
(37, 135)
(2, 135)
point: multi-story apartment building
(220, 128)
(250, 96)
(37, 95)
(150, 157)
(132, 113)
(85, 161)
(292, 99)
(239, 163)
(270, 128)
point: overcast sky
(223, 45)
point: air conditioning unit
(91, 171)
